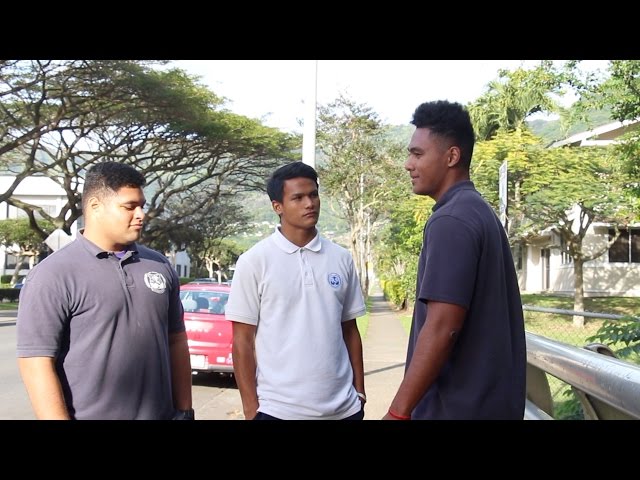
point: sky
(275, 91)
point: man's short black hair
(449, 120)
(106, 178)
(275, 184)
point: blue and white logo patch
(334, 280)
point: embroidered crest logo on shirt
(155, 281)
(334, 280)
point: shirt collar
(96, 251)
(286, 246)
(448, 195)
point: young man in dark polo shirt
(466, 357)
(100, 330)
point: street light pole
(309, 128)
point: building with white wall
(46, 193)
(542, 264)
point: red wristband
(397, 416)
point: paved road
(14, 402)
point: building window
(626, 248)
(50, 210)
(565, 256)
(178, 269)
(11, 262)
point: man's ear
(277, 207)
(94, 205)
(454, 156)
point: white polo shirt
(298, 297)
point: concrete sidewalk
(384, 351)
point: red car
(209, 334)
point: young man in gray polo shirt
(466, 358)
(100, 331)
(297, 352)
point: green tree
(515, 95)
(574, 188)
(219, 256)
(398, 247)
(19, 239)
(620, 91)
(522, 151)
(357, 169)
(543, 193)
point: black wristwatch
(184, 415)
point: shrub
(9, 294)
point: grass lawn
(363, 322)
(560, 327)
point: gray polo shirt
(466, 260)
(106, 321)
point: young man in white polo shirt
(295, 295)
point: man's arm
(180, 371)
(353, 341)
(435, 341)
(44, 388)
(244, 367)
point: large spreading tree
(58, 118)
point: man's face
(300, 207)
(119, 218)
(427, 163)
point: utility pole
(309, 128)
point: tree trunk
(367, 260)
(578, 296)
(209, 265)
(16, 270)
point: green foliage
(516, 95)
(553, 189)
(358, 170)
(393, 291)
(569, 409)
(521, 150)
(19, 231)
(620, 91)
(398, 247)
(623, 336)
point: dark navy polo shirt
(106, 321)
(466, 260)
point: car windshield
(204, 301)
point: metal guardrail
(606, 387)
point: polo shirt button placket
(306, 269)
